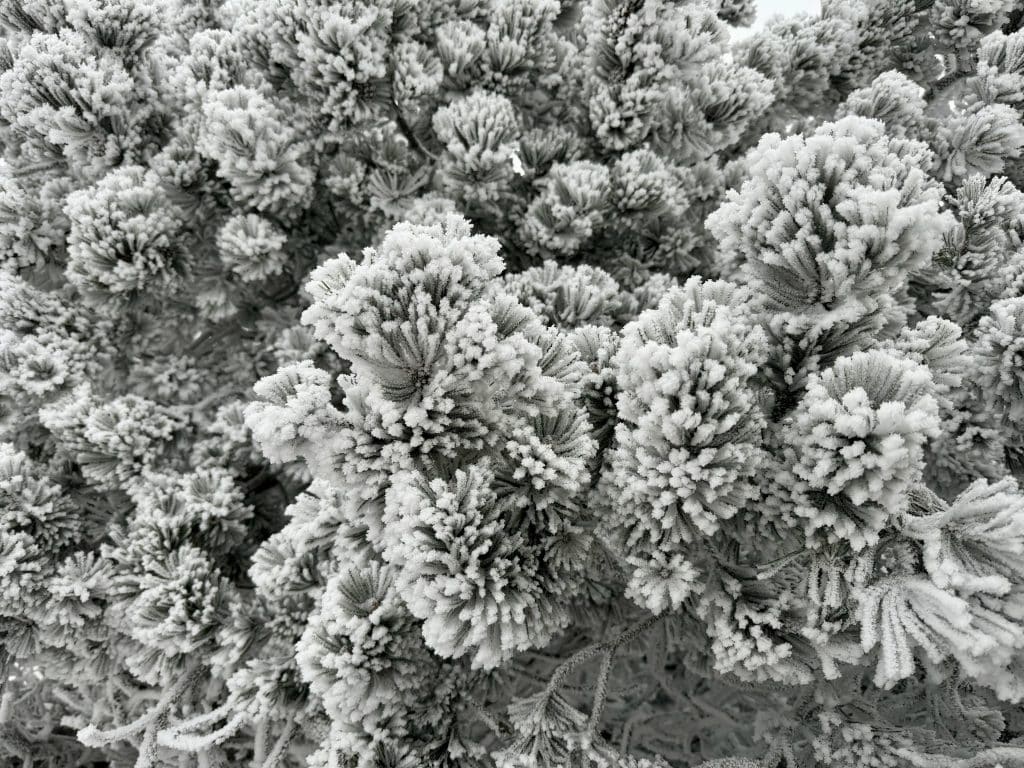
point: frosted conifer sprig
(687, 444)
(829, 225)
(858, 438)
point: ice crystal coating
(687, 443)
(511, 384)
(830, 224)
(859, 437)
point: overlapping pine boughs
(511, 384)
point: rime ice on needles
(124, 238)
(70, 100)
(384, 384)
(858, 442)
(363, 641)
(256, 150)
(464, 423)
(112, 441)
(689, 430)
(480, 135)
(569, 210)
(828, 226)
(251, 247)
(975, 542)
(999, 354)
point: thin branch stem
(93, 737)
(584, 654)
(408, 132)
(496, 727)
(601, 692)
(259, 749)
(280, 746)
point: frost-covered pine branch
(511, 384)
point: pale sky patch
(768, 8)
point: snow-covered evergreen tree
(511, 384)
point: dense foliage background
(511, 384)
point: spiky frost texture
(364, 657)
(124, 236)
(251, 247)
(474, 579)
(256, 150)
(830, 225)
(687, 443)
(1000, 357)
(974, 543)
(70, 99)
(611, 482)
(462, 450)
(858, 441)
(569, 296)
